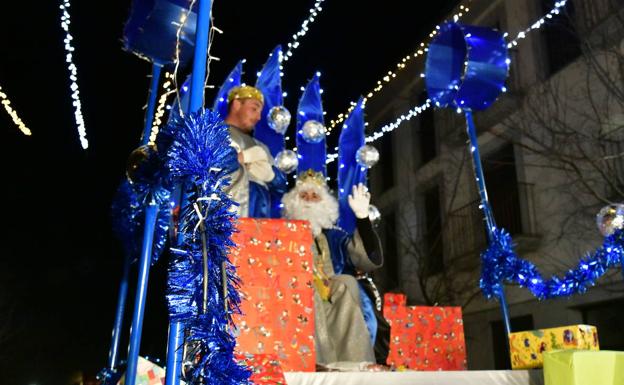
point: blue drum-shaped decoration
(151, 30)
(466, 67)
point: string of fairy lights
(13, 114)
(392, 74)
(415, 111)
(73, 74)
(295, 43)
(162, 102)
(170, 86)
(538, 24)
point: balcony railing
(465, 229)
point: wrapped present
(425, 337)
(393, 304)
(583, 367)
(265, 369)
(274, 261)
(148, 373)
(527, 348)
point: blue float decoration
(466, 67)
(500, 264)
(220, 104)
(202, 287)
(128, 212)
(350, 173)
(311, 155)
(151, 30)
(269, 82)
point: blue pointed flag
(270, 83)
(234, 79)
(350, 173)
(311, 155)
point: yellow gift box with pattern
(527, 347)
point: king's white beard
(321, 215)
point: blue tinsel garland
(500, 264)
(200, 158)
(128, 217)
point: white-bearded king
(341, 334)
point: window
(390, 270)
(608, 317)
(426, 133)
(561, 41)
(503, 189)
(433, 234)
(500, 342)
(386, 166)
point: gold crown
(245, 92)
(312, 176)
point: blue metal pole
(199, 59)
(174, 353)
(196, 101)
(141, 294)
(113, 354)
(485, 203)
(478, 169)
(151, 103)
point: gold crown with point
(245, 92)
(312, 176)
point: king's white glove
(359, 200)
(256, 161)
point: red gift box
(425, 337)
(265, 368)
(274, 261)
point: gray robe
(239, 185)
(341, 334)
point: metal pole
(113, 354)
(196, 101)
(478, 169)
(139, 303)
(174, 353)
(151, 103)
(199, 59)
(485, 203)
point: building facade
(553, 155)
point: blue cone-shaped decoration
(311, 155)
(350, 173)
(234, 79)
(270, 83)
(151, 30)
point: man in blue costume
(341, 332)
(256, 176)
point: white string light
(415, 111)
(538, 24)
(314, 11)
(390, 75)
(73, 75)
(160, 110)
(16, 119)
(388, 127)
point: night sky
(60, 265)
